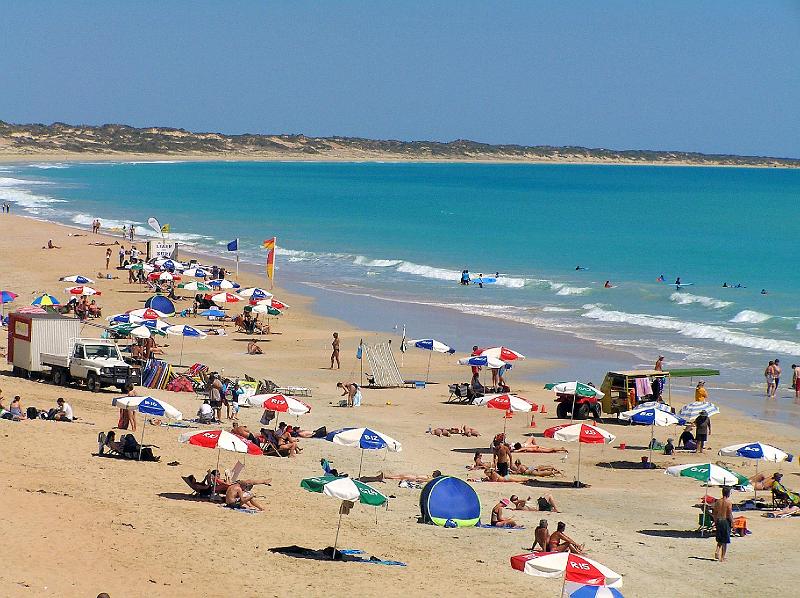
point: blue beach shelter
(162, 304)
(449, 502)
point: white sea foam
(360, 260)
(695, 330)
(106, 223)
(49, 165)
(689, 299)
(554, 309)
(429, 271)
(748, 316)
(563, 289)
(14, 190)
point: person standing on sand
(659, 367)
(769, 374)
(121, 256)
(777, 373)
(502, 458)
(722, 512)
(703, 428)
(335, 351)
(132, 230)
(108, 257)
(796, 380)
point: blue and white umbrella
(222, 283)
(432, 345)
(196, 272)
(756, 450)
(212, 313)
(183, 331)
(125, 319)
(365, 439)
(651, 416)
(585, 591)
(482, 361)
(656, 404)
(692, 410)
(148, 406)
(255, 294)
(77, 279)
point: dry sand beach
(77, 524)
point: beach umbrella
(212, 313)
(82, 290)
(273, 303)
(481, 361)
(6, 297)
(692, 410)
(650, 416)
(137, 330)
(196, 272)
(183, 331)
(162, 304)
(221, 283)
(255, 293)
(194, 286)
(710, 474)
(266, 309)
(148, 406)
(365, 439)
(220, 440)
(45, 300)
(148, 313)
(431, 345)
(225, 298)
(574, 567)
(756, 451)
(656, 405)
(587, 591)
(345, 489)
(501, 353)
(125, 319)
(504, 402)
(77, 279)
(282, 404)
(582, 434)
(576, 389)
(30, 309)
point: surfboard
(484, 280)
(684, 284)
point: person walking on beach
(335, 351)
(722, 513)
(796, 380)
(703, 430)
(108, 257)
(777, 373)
(132, 230)
(769, 374)
(121, 256)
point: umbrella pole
(563, 585)
(574, 397)
(755, 490)
(428, 373)
(705, 506)
(214, 489)
(579, 463)
(180, 361)
(141, 442)
(336, 539)
(360, 463)
(652, 433)
(505, 422)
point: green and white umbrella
(345, 489)
(574, 388)
(194, 286)
(709, 474)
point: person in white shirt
(134, 253)
(64, 413)
(205, 413)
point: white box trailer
(30, 335)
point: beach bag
(740, 526)
(32, 412)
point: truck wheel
(562, 411)
(584, 411)
(92, 383)
(58, 377)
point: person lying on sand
(212, 482)
(253, 348)
(244, 432)
(477, 462)
(561, 542)
(463, 431)
(543, 503)
(240, 496)
(490, 475)
(497, 515)
(408, 477)
(530, 446)
(542, 471)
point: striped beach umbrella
(710, 474)
(482, 361)
(266, 309)
(6, 297)
(222, 441)
(194, 286)
(755, 450)
(281, 404)
(574, 567)
(582, 434)
(255, 293)
(77, 279)
(222, 283)
(82, 290)
(504, 402)
(183, 331)
(148, 313)
(501, 353)
(651, 416)
(576, 388)
(147, 406)
(587, 591)
(692, 410)
(365, 439)
(431, 345)
(45, 300)
(225, 298)
(196, 272)
(125, 319)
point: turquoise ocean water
(403, 232)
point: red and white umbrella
(82, 290)
(504, 402)
(30, 309)
(271, 303)
(575, 568)
(225, 298)
(148, 313)
(220, 439)
(282, 404)
(502, 353)
(582, 434)
(163, 276)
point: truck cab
(95, 361)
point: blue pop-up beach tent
(449, 502)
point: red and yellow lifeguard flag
(269, 245)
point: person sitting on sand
(542, 471)
(15, 409)
(240, 496)
(477, 462)
(253, 348)
(95, 310)
(50, 245)
(63, 412)
(543, 503)
(686, 439)
(213, 483)
(287, 443)
(530, 446)
(205, 414)
(782, 492)
(561, 542)
(762, 481)
(497, 515)
(540, 536)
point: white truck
(38, 343)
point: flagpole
(237, 258)
(361, 361)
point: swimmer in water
(660, 278)
(763, 291)
(465, 277)
(608, 284)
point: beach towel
(343, 555)
(643, 387)
(489, 526)
(241, 509)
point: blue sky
(685, 75)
